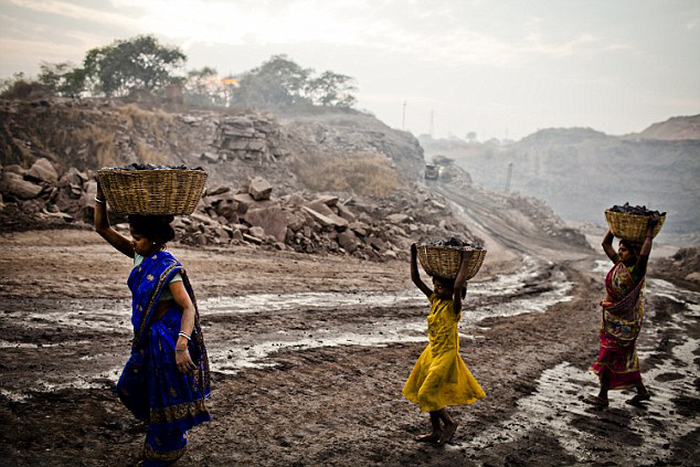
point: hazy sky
(499, 68)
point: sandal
(596, 401)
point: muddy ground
(309, 355)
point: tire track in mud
(244, 332)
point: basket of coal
(149, 189)
(630, 222)
(443, 258)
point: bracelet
(101, 201)
(180, 350)
(184, 335)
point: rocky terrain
(580, 172)
(260, 192)
(309, 315)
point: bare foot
(448, 433)
(429, 437)
(596, 401)
(639, 398)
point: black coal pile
(143, 166)
(636, 210)
(453, 243)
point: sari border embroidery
(150, 454)
(174, 413)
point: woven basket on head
(630, 227)
(153, 192)
(444, 261)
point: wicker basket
(630, 227)
(153, 192)
(444, 261)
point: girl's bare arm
(460, 282)
(114, 238)
(608, 248)
(415, 275)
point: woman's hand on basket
(654, 219)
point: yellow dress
(440, 377)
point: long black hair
(155, 228)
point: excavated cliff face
(264, 175)
(581, 172)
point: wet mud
(308, 368)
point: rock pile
(310, 223)
(367, 229)
(39, 192)
(683, 267)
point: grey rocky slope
(581, 172)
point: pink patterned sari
(622, 320)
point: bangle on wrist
(184, 335)
(101, 201)
(180, 350)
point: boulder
(72, 179)
(237, 235)
(295, 199)
(43, 171)
(397, 218)
(320, 207)
(348, 241)
(15, 169)
(327, 221)
(259, 188)
(218, 190)
(328, 200)
(272, 219)
(345, 213)
(693, 277)
(18, 187)
(209, 157)
(252, 239)
(257, 232)
(244, 200)
(360, 228)
(295, 221)
(201, 218)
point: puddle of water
(255, 350)
(554, 406)
(24, 345)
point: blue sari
(151, 385)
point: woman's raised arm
(608, 248)
(645, 251)
(114, 238)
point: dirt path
(310, 353)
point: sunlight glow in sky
(501, 69)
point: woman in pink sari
(617, 365)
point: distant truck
(432, 171)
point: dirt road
(310, 353)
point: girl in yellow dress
(440, 377)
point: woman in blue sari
(166, 379)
